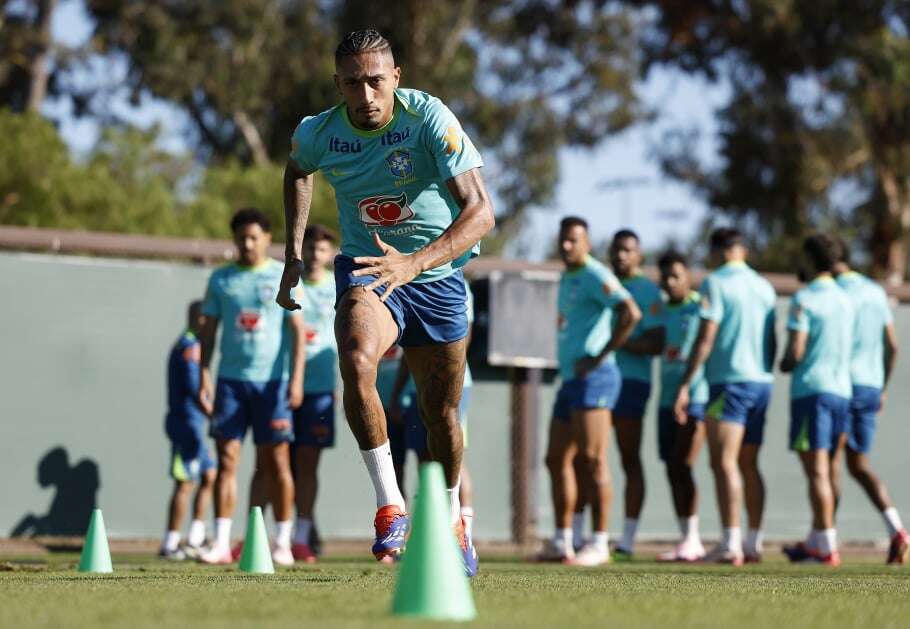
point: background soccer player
(590, 300)
(626, 260)
(819, 343)
(676, 324)
(314, 419)
(874, 354)
(412, 207)
(261, 346)
(736, 343)
(185, 424)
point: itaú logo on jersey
(385, 210)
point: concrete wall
(82, 366)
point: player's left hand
(295, 393)
(392, 269)
(583, 366)
(681, 406)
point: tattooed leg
(364, 330)
(438, 372)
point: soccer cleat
(899, 551)
(621, 554)
(798, 552)
(176, 554)
(752, 557)
(684, 552)
(553, 552)
(832, 560)
(236, 551)
(392, 526)
(282, 556)
(466, 545)
(216, 556)
(193, 552)
(721, 554)
(303, 552)
(590, 556)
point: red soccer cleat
(899, 551)
(303, 552)
(392, 527)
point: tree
(832, 75)
(25, 53)
(526, 78)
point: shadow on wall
(71, 508)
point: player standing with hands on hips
(413, 208)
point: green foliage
(129, 185)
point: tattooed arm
(298, 195)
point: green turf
(144, 592)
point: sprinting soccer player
(413, 208)
(676, 324)
(626, 260)
(874, 351)
(185, 424)
(736, 344)
(314, 419)
(819, 345)
(591, 300)
(261, 346)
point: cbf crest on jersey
(400, 164)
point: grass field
(349, 592)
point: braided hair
(359, 42)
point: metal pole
(524, 393)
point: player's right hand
(289, 280)
(681, 406)
(204, 396)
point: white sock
(689, 529)
(467, 514)
(578, 529)
(382, 473)
(304, 528)
(827, 541)
(600, 539)
(283, 533)
(754, 542)
(454, 502)
(197, 533)
(733, 539)
(892, 521)
(563, 538)
(171, 541)
(223, 532)
(629, 528)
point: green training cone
(432, 583)
(256, 557)
(96, 556)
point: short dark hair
(360, 42)
(725, 238)
(573, 221)
(193, 311)
(671, 257)
(317, 233)
(823, 250)
(622, 234)
(843, 250)
(250, 216)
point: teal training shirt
(255, 339)
(647, 296)
(873, 314)
(318, 307)
(680, 323)
(822, 310)
(391, 180)
(741, 302)
(587, 296)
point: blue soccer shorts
(190, 455)
(262, 406)
(817, 421)
(743, 403)
(599, 388)
(863, 417)
(314, 421)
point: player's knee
(208, 479)
(358, 367)
(556, 462)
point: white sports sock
(283, 533)
(578, 529)
(454, 502)
(689, 529)
(467, 514)
(892, 521)
(629, 528)
(600, 539)
(754, 542)
(382, 473)
(197, 533)
(563, 538)
(304, 528)
(223, 532)
(827, 541)
(171, 541)
(733, 539)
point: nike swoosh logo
(337, 173)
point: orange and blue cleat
(466, 545)
(899, 551)
(392, 527)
